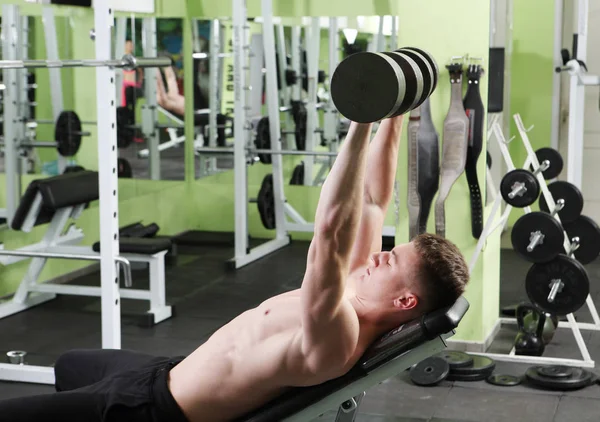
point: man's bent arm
(336, 223)
(382, 163)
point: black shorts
(102, 385)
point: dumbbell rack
(491, 225)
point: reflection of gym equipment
(59, 198)
(559, 285)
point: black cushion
(140, 245)
(388, 347)
(60, 191)
(70, 189)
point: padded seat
(65, 190)
(390, 346)
(140, 245)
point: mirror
(291, 34)
(151, 101)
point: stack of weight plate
(453, 366)
(558, 377)
(465, 367)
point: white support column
(214, 82)
(56, 88)
(10, 20)
(380, 44)
(108, 183)
(273, 113)
(313, 43)
(240, 128)
(284, 91)
(577, 101)
(394, 37)
(296, 64)
(558, 33)
(149, 109)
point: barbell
(127, 62)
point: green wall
(532, 71)
(439, 28)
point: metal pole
(273, 113)
(107, 178)
(149, 112)
(240, 128)
(313, 43)
(128, 62)
(10, 17)
(229, 151)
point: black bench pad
(140, 245)
(57, 192)
(388, 347)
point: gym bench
(392, 354)
(55, 200)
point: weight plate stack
(481, 368)
(563, 378)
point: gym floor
(207, 296)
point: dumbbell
(560, 286)
(367, 87)
(538, 236)
(520, 188)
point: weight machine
(109, 254)
(492, 224)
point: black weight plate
(504, 380)
(555, 371)
(571, 273)
(125, 131)
(266, 202)
(432, 63)
(263, 139)
(453, 376)
(124, 170)
(456, 359)
(589, 238)
(366, 88)
(67, 133)
(481, 365)
(524, 229)
(555, 159)
(300, 120)
(572, 197)
(579, 379)
(426, 73)
(526, 197)
(298, 175)
(430, 371)
(413, 78)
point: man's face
(390, 275)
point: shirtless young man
(351, 294)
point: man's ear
(406, 302)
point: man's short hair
(443, 271)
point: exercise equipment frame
(108, 190)
(491, 225)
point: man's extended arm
(336, 224)
(379, 187)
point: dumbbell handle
(517, 190)
(536, 239)
(560, 204)
(544, 165)
(555, 287)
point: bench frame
(31, 293)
